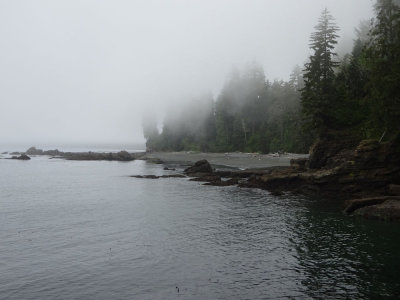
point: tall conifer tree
(318, 92)
(383, 63)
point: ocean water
(86, 230)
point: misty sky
(85, 71)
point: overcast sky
(84, 71)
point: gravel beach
(234, 160)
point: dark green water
(84, 230)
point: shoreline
(236, 160)
(365, 177)
(227, 160)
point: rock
(155, 161)
(207, 178)
(222, 173)
(157, 177)
(173, 176)
(150, 176)
(21, 157)
(329, 149)
(15, 153)
(34, 151)
(393, 189)
(52, 152)
(388, 210)
(146, 176)
(298, 163)
(367, 146)
(5, 152)
(353, 205)
(123, 156)
(201, 166)
(229, 182)
(120, 156)
(169, 169)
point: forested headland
(356, 96)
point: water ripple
(84, 230)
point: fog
(86, 71)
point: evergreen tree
(318, 92)
(383, 63)
(350, 110)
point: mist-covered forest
(357, 94)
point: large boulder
(201, 166)
(124, 156)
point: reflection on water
(344, 256)
(85, 230)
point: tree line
(358, 95)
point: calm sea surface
(85, 230)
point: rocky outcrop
(35, 151)
(368, 172)
(200, 167)
(330, 150)
(388, 210)
(21, 157)
(220, 182)
(119, 156)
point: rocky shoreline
(365, 176)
